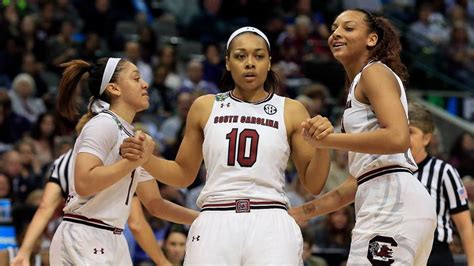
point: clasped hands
(138, 147)
(316, 129)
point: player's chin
(143, 107)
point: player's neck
(124, 114)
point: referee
(445, 187)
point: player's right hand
(132, 148)
(297, 214)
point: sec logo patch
(270, 109)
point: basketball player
(395, 217)
(446, 189)
(56, 190)
(103, 186)
(246, 136)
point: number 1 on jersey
(246, 156)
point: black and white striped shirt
(61, 172)
(445, 186)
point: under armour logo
(225, 104)
(196, 238)
(99, 250)
(69, 198)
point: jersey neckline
(266, 99)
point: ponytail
(67, 105)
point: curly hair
(388, 47)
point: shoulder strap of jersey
(117, 121)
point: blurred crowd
(178, 47)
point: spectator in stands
(29, 159)
(48, 26)
(300, 39)
(167, 58)
(22, 182)
(335, 230)
(436, 147)
(44, 133)
(308, 258)
(304, 7)
(62, 47)
(100, 18)
(12, 126)
(148, 43)
(91, 48)
(457, 14)
(208, 25)
(462, 154)
(309, 104)
(213, 64)
(194, 81)
(319, 94)
(34, 42)
(161, 96)
(133, 54)
(339, 170)
(10, 58)
(33, 68)
(5, 186)
(175, 244)
(24, 102)
(182, 11)
(460, 54)
(173, 127)
(430, 29)
(66, 10)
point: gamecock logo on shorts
(380, 250)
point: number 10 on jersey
(244, 146)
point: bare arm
(393, 135)
(91, 176)
(143, 234)
(464, 225)
(312, 164)
(150, 196)
(50, 201)
(182, 171)
(335, 199)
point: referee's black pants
(440, 255)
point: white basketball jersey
(102, 137)
(359, 117)
(245, 150)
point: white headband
(247, 29)
(108, 73)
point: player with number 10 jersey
(245, 142)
